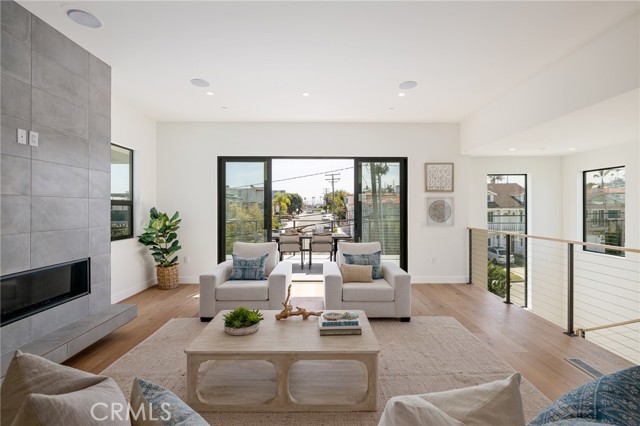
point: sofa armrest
(332, 285)
(279, 281)
(208, 283)
(400, 280)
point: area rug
(428, 354)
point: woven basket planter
(167, 277)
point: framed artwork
(438, 177)
(440, 211)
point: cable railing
(592, 292)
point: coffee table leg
(371, 399)
(192, 381)
(282, 398)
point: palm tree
(495, 178)
(282, 200)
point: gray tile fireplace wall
(54, 197)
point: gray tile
(9, 138)
(15, 253)
(99, 142)
(6, 357)
(100, 297)
(55, 46)
(53, 112)
(99, 74)
(59, 81)
(53, 351)
(58, 213)
(16, 98)
(16, 21)
(16, 58)
(90, 337)
(99, 184)
(99, 101)
(99, 240)
(15, 334)
(128, 315)
(50, 320)
(57, 147)
(15, 173)
(53, 247)
(100, 268)
(16, 214)
(99, 212)
(56, 180)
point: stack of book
(340, 327)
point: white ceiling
(350, 56)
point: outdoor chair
(291, 243)
(217, 292)
(386, 297)
(321, 243)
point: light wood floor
(528, 343)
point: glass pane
(121, 163)
(121, 222)
(380, 205)
(604, 195)
(244, 203)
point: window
(604, 205)
(121, 193)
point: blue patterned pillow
(611, 399)
(153, 405)
(250, 268)
(372, 259)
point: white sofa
(217, 293)
(389, 297)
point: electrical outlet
(33, 138)
(434, 260)
(22, 136)
(187, 259)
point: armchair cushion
(258, 249)
(377, 291)
(372, 259)
(252, 268)
(243, 290)
(356, 273)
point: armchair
(389, 296)
(218, 293)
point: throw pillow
(372, 259)
(356, 273)
(612, 399)
(29, 374)
(153, 405)
(252, 268)
(497, 403)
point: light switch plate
(33, 138)
(22, 136)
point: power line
(294, 177)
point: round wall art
(440, 211)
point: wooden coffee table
(285, 366)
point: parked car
(499, 254)
(327, 216)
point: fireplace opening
(26, 293)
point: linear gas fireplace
(29, 292)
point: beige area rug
(429, 354)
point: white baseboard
(115, 298)
(440, 280)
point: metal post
(470, 258)
(508, 270)
(570, 291)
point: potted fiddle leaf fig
(162, 239)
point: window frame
(128, 203)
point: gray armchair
(218, 293)
(388, 297)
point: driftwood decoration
(289, 312)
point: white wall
(190, 151)
(131, 264)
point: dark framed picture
(438, 177)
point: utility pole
(333, 179)
(326, 191)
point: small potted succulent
(242, 321)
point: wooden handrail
(558, 240)
(582, 331)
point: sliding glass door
(381, 205)
(244, 200)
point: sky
(307, 176)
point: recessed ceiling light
(199, 82)
(512, 149)
(305, 94)
(401, 94)
(223, 107)
(84, 18)
(210, 93)
(572, 149)
(391, 108)
(406, 85)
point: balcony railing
(587, 292)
